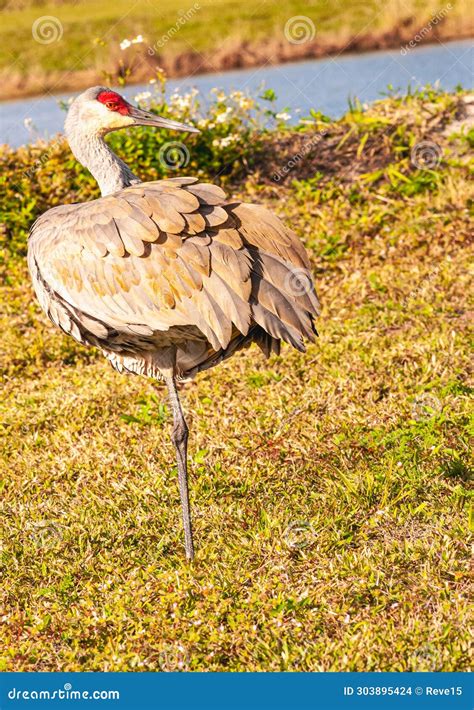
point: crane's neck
(111, 173)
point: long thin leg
(180, 441)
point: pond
(323, 84)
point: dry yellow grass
(330, 490)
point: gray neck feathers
(111, 173)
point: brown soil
(239, 56)
(332, 152)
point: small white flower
(224, 142)
(182, 103)
(142, 96)
(283, 116)
(221, 117)
(126, 43)
(220, 95)
(244, 102)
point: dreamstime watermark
(426, 155)
(46, 534)
(180, 22)
(65, 693)
(422, 287)
(425, 31)
(425, 406)
(299, 534)
(47, 29)
(298, 157)
(383, 528)
(173, 658)
(427, 658)
(43, 158)
(173, 155)
(299, 29)
(298, 282)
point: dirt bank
(238, 56)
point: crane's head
(100, 110)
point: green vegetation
(330, 490)
(73, 41)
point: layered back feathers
(172, 262)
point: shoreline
(243, 55)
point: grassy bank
(56, 46)
(330, 489)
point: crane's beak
(146, 118)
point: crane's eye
(111, 105)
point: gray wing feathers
(162, 256)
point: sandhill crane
(167, 278)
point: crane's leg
(180, 441)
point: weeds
(331, 490)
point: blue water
(323, 84)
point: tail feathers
(267, 344)
(209, 358)
(276, 328)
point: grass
(83, 36)
(330, 490)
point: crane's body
(167, 278)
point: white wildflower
(226, 141)
(184, 102)
(243, 101)
(220, 95)
(126, 43)
(142, 96)
(221, 117)
(283, 116)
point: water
(323, 84)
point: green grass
(216, 22)
(330, 490)
(91, 32)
